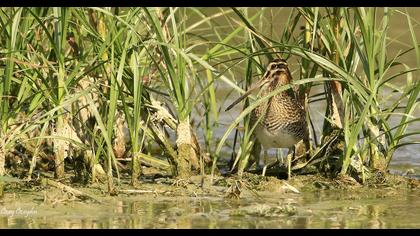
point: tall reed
(100, 85)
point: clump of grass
(348, 46)
(73, 79)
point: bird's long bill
(255, 86)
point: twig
(141, 191)
(75, 192)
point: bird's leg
(265, 159)
(268, 166)
(289, 162)
(260, 159)
(280, 153)
(255, 154)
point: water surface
(321, 209)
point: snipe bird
(281, 121)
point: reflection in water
(323, 209)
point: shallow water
(322, 209)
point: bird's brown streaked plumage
(281, 121)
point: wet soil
(253, 201)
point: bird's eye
(273, 66)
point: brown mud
(221, 202)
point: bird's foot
(268, 166)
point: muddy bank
(309, 201)
(231, 187)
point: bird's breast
(279, 138)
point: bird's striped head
(278, 73)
